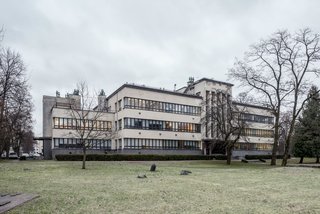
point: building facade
(137, 119)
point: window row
(137, 143)
(76, 144)
(258, 133)
(257, 118)
(135, 123)
(253, 146)
(70, 123)
(160, 106)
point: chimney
(102, 100)
(75, 99)
(191, 81)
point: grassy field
(113, 187)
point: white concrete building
(146, 120)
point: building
(146, 120)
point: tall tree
(277, 70)
(15, 99)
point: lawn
(113, 187)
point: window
(153, 105)
(70, 123)
(55, 122)
(138, 143)
(120, 124)
(74, 143)
(136, 123)
(253, 146)
(258, 133)
(119, 105)
(258, 118)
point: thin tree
(88, 122)
(277, 71)
(20, 116)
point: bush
(253, 157)
(220, 157)
(127, 157)
(22, 158)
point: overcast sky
(156, 43)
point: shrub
(220, 157)
(252, 157)
(22, 158)
(127, 157)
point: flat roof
(212, 80)
(146, 88)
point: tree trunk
(287, 146)
(84, 158)
(18, 151)
(229, 155)
(301, 159)
(284, 160)
(317, 161)
(7, 153)
(286, 152)
(275, 142)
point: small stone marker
(185, 172)
(15, 194)
(153, 168)
(142, 176)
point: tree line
(15, 102)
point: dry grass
(113, 187)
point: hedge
(126, 157)
(252, 157)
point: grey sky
(157, 43)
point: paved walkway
(310, 165)
(10, 201)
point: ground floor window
(139, 143)
(253, 146)
(74, 143)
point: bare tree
(89, 123)
(225, 119)
(15, 99)
(19, 112)
(277, 70)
